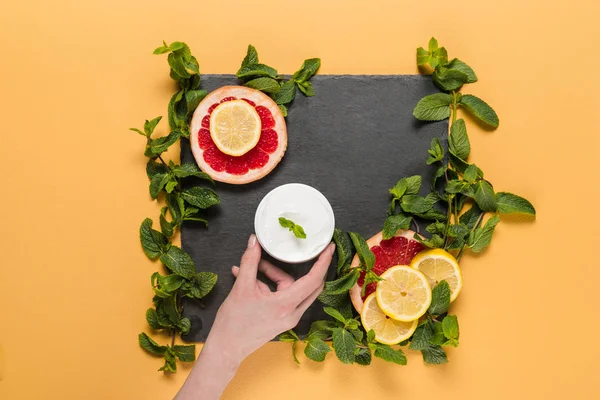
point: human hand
(253, 311)
(251, 316)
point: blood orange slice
(253, 164)
(398, 250)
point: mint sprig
(181, 279)
(266, 79)
(296, 229)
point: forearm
(211, 373)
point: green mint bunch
(262, 77)
(186, 199)
(458, 186)
(186, 72)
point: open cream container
(305, 206)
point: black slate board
(352, 141)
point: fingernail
(252, 241)
(331, 248)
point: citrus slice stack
(398, 250)
(239, 142)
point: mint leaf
(170, 362)
(150, 125)
(192, 99)
(433, 215)
(152, 319)
(438, 338)
(170, 283)
(485, 197)
(307, 70)
(306, 88)
(190, 169)
(449, 79)
(153, 241)
(288, 336)
(434, 355)
(150, 345)
(438, 57)
(342, 284)
(434, 107)
(255, 70)
(286, 94)
(482, 237)
(471, 216)
(176, 207)
(202, 284)
(340, 302)
(166, 227)
(440, 299)
(458, 142)
(286, 223)
(154, 168)
(251, 56)
(264, 84)
(284, 110)
(422, 56)
(335, 314)
(436, 227)
(432, 45)
(458, 65)
(436, 151)
(170, 310)
(436, 241)
(450, 327)
(157, 183)
(415, 204)
(158, 146)
(459, 186)
(393, 223)
(321, 329)
(473, 173)
(200, 197)
(480, 109)
(421, 337)
(366, 256)
(343, 246)
(344, 345)
(387, 353)
(185, 353)
(299, 232)
(509, 203)
(179, 262)
(184, 326)
(316, 349)
(413, 184)
(363, 356)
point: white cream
(306, 207)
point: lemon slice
(387, 330)
(404, 293)
(235, 127)
(439, 265)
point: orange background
(74, 283)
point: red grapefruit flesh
(256, 163)
(398, 250)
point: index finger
(306, 285)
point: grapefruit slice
(254, 163)
(398, 250)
